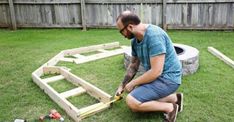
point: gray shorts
(154, 90)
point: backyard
(208, 94)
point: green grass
(208, 93)
(62, 86)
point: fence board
(4, 13)
(113, 1)
(12, 15)
(187, 14)
(230, 15)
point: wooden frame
(83, 86)
(221, 56)
(79, 13)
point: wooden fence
(171, 14)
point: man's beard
(131, 36)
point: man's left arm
(157, 63)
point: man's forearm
(131, 71)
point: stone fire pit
(188, 56)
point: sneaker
(179, 102)
(171, 117)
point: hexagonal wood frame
(84, 86)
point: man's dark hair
(128, 18)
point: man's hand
(129, 87)
(119, 91)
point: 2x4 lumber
(92, 109)
(55, 59)
(90, 48)
(63, 67)
(74, 92)
(90, 89)
(102, 50)
(67, 59)
(51, 70)
(79, 56)
(100, 56)
(221, 56)
(55, 96)
(125, 47)
(54, 78)
(51, 62)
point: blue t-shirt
(156, 42)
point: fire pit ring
(188, 56)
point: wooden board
(73, 92)
(90, 48)
(51, 70)
(87, 111)
(90, 89)
(67, 59)
(53, 79)
(221, 56)
(99, 56)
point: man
(154, 90)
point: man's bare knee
(132, 103)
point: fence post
(164, 15)
(83, 14)
(12, 14)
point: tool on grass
(116, 98)
(53, 114)
(20, 120)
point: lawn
(208, 93)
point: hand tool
(116, 98)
